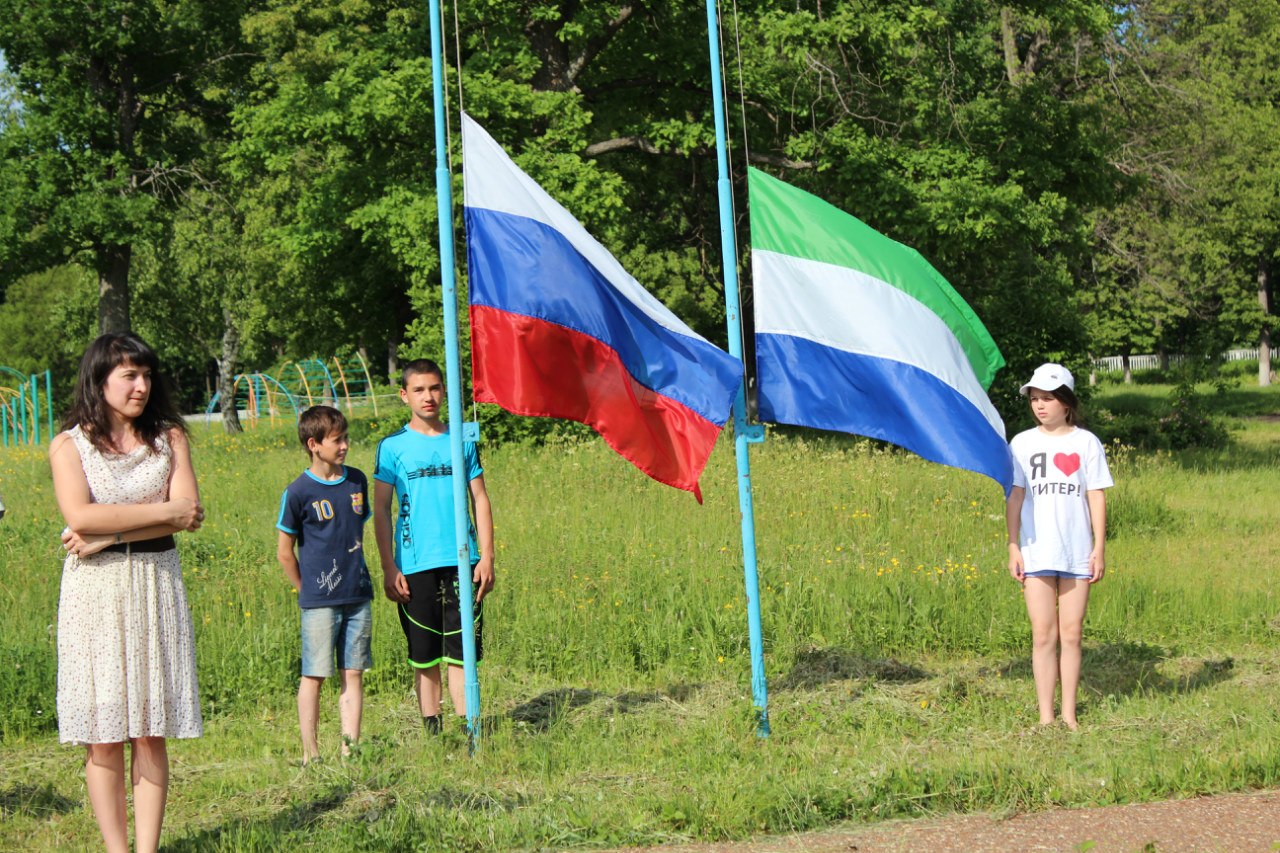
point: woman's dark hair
(89, 409)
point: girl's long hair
(1071, 403)
(89, 408)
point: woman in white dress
(126, 650)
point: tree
(334, 153)
(972, 131)
(117, 103)
(204, 298)
(332, 157)
(45, 325)
(1195, 86)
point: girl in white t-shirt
(1057, 520)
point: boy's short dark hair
(419, 365)
(317, 422)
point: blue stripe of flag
(506, 252)
(808, 384)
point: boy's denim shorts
(340, 634)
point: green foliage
(46, 321)
(924, 137)
(1093, 178)
(1178, 261)
(117, 103)
(1190, 422)
(331, 156)
(1181, 417)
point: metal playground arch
(21, 409)
(256, 395)
(299, 385)
(313, 379)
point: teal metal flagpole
(35, 408)
(48, 398)
(453, 382)
(744, 433)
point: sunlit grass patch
(616, 689)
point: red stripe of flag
(532, 367)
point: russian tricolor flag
(559, 329)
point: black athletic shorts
(431, 620)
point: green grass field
(616, 694)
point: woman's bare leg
(150, 771)
(104, 778)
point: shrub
(1180, 423)
(1189, 423)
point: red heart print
(1067, 463)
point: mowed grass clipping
(616, 690)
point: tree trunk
(1012, 65)
(401, 317)
(113, 289)
(1018, 68)
(1128, 369)
(227, 374)
(1264, 341)
(393, 357)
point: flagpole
(453, 383)
(743, 432)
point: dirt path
(1230, 823)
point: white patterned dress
(126, 648)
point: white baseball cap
(1049, 377)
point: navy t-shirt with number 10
(327, 517)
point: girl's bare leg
(150, 771)
(1073, 598)
(1041, 595)
(104, 779)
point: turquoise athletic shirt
(418, 467)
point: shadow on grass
(545, 709)
(295, 821)
(254, 834)
(38, 801)
(1124, 669)
(814, 667)
(1231, 402)
(1234, 457)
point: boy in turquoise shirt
(413, 470)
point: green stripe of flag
(790, 221)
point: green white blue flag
(858, 333)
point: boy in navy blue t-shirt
(321, 549)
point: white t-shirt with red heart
(1057, 472)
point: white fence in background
(1151, 362)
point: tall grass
(615, 689)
